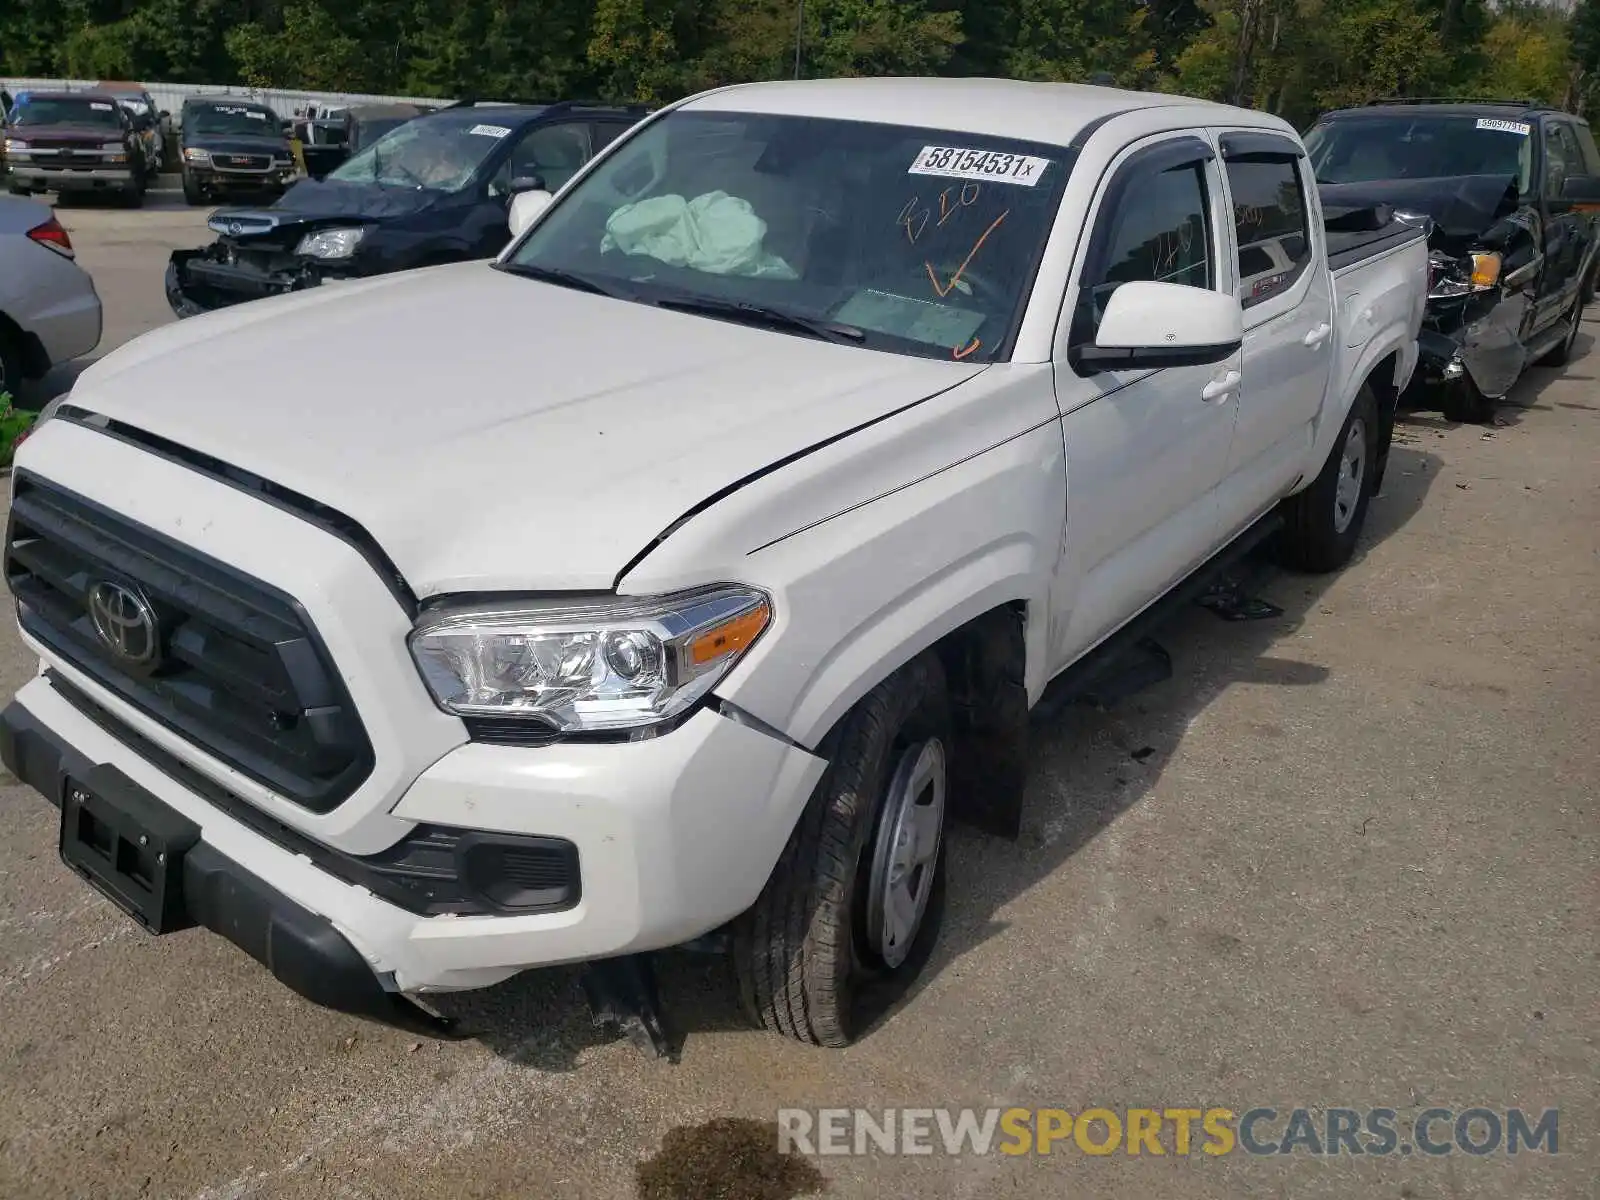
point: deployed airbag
(715, 232)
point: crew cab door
(1146, 449)
(1287, 296)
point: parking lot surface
(1347, 856)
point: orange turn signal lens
(730, 637)
(1485, 270)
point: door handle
(1217, 389)
(1318, 335)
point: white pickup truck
(682, 571)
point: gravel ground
(1347, 856)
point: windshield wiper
(762, 314)
(564, 278)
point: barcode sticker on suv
(955, 162)
(98, 107)
(494, 131)
(1521, 128)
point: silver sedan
(49, 311)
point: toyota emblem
(125, 623)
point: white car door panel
(1287, 297)
(1146, 450)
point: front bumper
(88, 179)
(197, 283)
(212, 180)
(675, 836)
(303, 951)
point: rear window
(1269, 217)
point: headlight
(15, 145)
(1485, 270)
(579, 666)
(1451, 278)
(331, 243)
(197, 156)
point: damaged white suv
(687, 568)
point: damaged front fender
(1479, 337)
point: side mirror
(286, 128)
(165, 115)
(1149, 325)
(526, 205)
(1581, 190)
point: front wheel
(192, 195)
(1324, 521)
(855, 898)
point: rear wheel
(10, 362)
(1324, 521)
(854, 901)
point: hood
(1463, 207)
(367, 201)
(309, 204)
(51, 135)
(493, 432)
(237, 143)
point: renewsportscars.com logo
(1176, 1132)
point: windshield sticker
(915, 320)
(1520, 128)
(991, 166)
(255, 116)
(99, 107)
(494, 131)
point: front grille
(242, 162)
(234, 666)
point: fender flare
(1391, 342)
(917, 619)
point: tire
(192, 195)
(812, 946)
(18, 190)
(1465, 403)
(1324, 521)
(1562, 353)
(10, 363)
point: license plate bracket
(128, 845)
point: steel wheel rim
(1352, 470)
(906, 851)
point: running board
(1130, 659)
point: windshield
(1423, 147)
(68, 110)
(440, 154)
(369, 131)
(231, 119)
(922, 240)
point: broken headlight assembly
(331, 244)
(1450, 277)
(604, 664)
